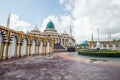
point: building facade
(16, 44)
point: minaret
(109, 35)
(70, 31)
(36, 26)
(92, 36)
(8, 21)
(98, 43)
(92, 41)
(98, 34)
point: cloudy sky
(84, 16)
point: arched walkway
(41, 47)
(24, 47)
(12, 50)
(33, 47)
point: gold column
(4, 51)
(38, 49)
(52, 48)
(28, 46)
(18, 50)
(30, 49)
(44, 49)
(7, 49)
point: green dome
(50, 25)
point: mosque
(62, 41)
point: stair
(58, 46)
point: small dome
(36, 28)
(50, 25)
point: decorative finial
(36, 26)
(64, 32)
(98, 33)
(50, 20)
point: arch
(92, 46)
(24, 47)
(113, 46)
(13, 45)
(33, 47)
(97, 44)
(102, 46)
(48, 47)
(41, 47)
(107, 46)
(3, 38)
(1, 46)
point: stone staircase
(59, 48)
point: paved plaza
(57, 67)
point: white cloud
(116, 1)
(88, 15)
(17, 24)
(61, 1)
(66, 21)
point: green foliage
(101, 51)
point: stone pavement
(56, 68)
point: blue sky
(32, 11)
(85, 16)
